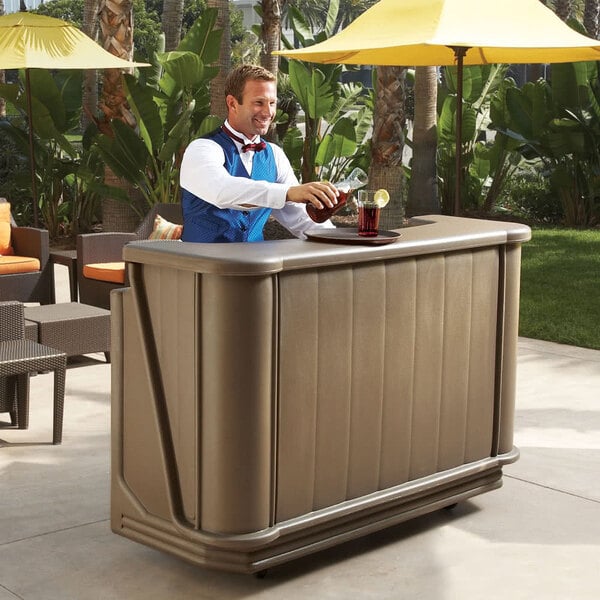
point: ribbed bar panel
(388, 381)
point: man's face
(254, 115)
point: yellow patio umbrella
(30, 41)
(453, 32)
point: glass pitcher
(355, 180)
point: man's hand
(318, 193)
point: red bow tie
(257, 147)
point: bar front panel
(394, 379)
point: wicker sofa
(98, 248)
(28, 285)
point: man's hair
(236, 80)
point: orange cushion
(18, 264)
(5, 247)
(113, 272)
(165, 230)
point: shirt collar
(247, 140)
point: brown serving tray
(349, 235)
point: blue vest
(204, 222)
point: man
(232, 180)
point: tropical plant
(171, 106)
(486, 164)
(527, 195)
(245, 50)
(559, 123)
(337, 116)
(64, 170)
(317, 11)
(68, 10)
(13, 171)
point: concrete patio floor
(538, 537)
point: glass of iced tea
(370, 203)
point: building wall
(247, 7)
(11, 6)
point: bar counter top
(423, 235)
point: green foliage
(559, 123)
(336, 115)
(148, 18)
(145, 32)
(245, 49)
(317, 12)
(67, 10)
(560, 276)
(64, 201)
(13, 168)
(171, 106)
(487, 162)
(527, 196)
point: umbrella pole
(31, 153)
(459, 54)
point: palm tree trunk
(116, 27)
(591, 11)
(217, 85)
(90, 76)
(422, 191)
(172, 18)
(563, 8)
(389, 120)
(271, 34)
(116, 30)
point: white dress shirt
(203, 174)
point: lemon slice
(381, 198)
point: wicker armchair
(37, 286)
(93, 248)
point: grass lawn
(560, 287)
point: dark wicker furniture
(67, 258)
(72, 327)
(29, 287)
(19, 357)
(95, 248)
